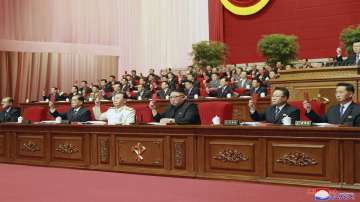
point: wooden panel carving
(2, 145)
(357, 162)
(140, 151)
(104, 149)
(231, 154)
(66, 147)
(306, 159)
(179, 154)
(30, 146)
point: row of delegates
(9, 113)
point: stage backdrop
(316, 23)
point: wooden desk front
(279, 154)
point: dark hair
(104, 80)
(258, 80)
(80, 98)
(179, 90)
(188, 81)
(349, 87)
(54, 88)
(284, 91)
(77, 88)
(96, 86)
(84, 81)
(112, 76)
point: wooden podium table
(312, 156)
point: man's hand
(167, 120)
(252, 107)
(307, 106)
(97, 102)
(152, 105)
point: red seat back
(240, 91)
(318, 107)
(208, 110)
(143, 113)
(34, 113)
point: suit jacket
(269, 114)
(82, 115)
(187, 113)
(223, 93)
(145, 95)
(258, 91)
(352, 60)
(57, 97)
(190, 94)
(162, 94)
(11, 116)
(350, 117)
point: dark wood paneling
(178, 153)
(2, 145)
(30, 146)
(357, 162)
(70, 148)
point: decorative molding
(179, 154)
(297, 159)
(231, 155)
(67, 148)
(138, 149)
(30, 147)
(104, 150)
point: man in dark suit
(8, 113)
(346, 112)
(355, 58)
(165, 92)
(243, 82)
(77, 113)
(84, 88)
(278, 110)
(191, 90)
(224, 89)
(54, 95)
(257, 87)
(143, 93)
(180, 110)
(74, 91)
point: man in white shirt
(120, 114)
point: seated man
(180, 110)
(257, 87)
(119, 114)
(54, 95)
(354, 59)
(224, 89)
(191, 90)
(77, 113)
(346, 112)
(9, 113)
(143, 93)
(278, 109)
(165, 92)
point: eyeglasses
(176, 96)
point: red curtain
(216, 22)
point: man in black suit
(84, 88)
(355, 58)
(77, 113)
(54, 95)
(9, 113)
(143, 93)
(257, 87)
(346, 112)
(165, 92)
(224, 89)
(180, 110)
(74, 91)
(191, 90)
(278, 110)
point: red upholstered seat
(103, 108)
(143, 113)
(208, 110)
(203, 92)
(240, 91)
(34, 113)
(317, 107)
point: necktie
(277, 111)
(358, 59)
(342, 110)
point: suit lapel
(346, 113)
(279, 116)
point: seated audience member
(224, 89)
(134, 76)
(171, 79)
(257, 87)
(354, 59)
(345, 112)
(77, 113)
(125, 86)
(8, 113)
(119, 114)
(54, 95)
(213, 85)
(243, 82)
(191, 90)
(84, 88)
(143, 94)
(180, 110)
(104, 86)
(254, 72)
(74, 91)
(95, 93)
(278, 109)
(165, 92)
(116, 89)
(112, 81)
(190, 77)
(339, 58)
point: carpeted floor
(38, 184)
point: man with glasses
(180, 110)
(9, 113)
(278, 110)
